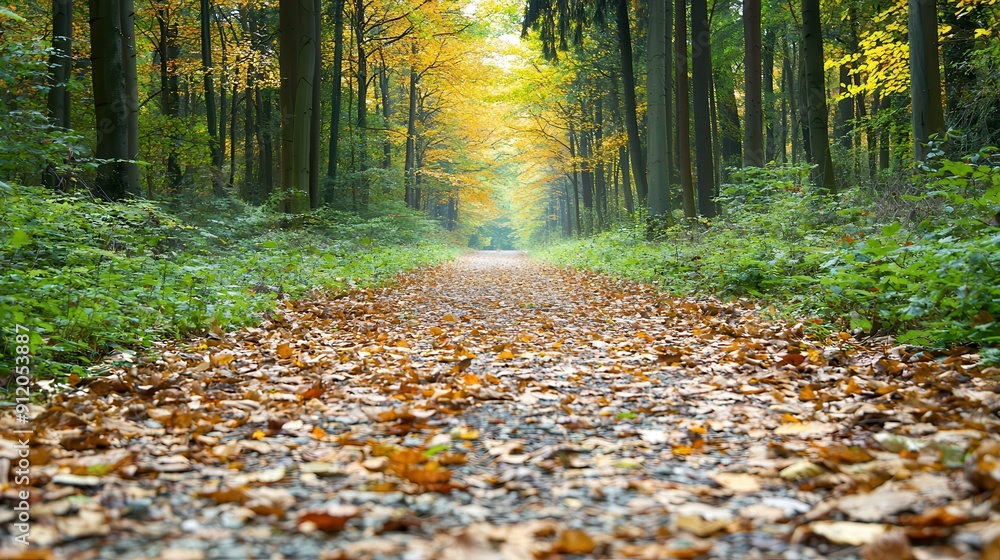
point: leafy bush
(87, 276)
(932, 280)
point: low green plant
(87, 276)
(932, 280)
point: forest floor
(497, 407)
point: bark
(925, 75)
(169, 86)
(701, 61)
(683, 111)
(658, 128)
(819, 134)
(315, 48)
(772, 151)
(845, 111)
(210, 108)
(127, 8)
(110, 101)
(338, 63)
(362, 77)
(622, 151)
(628, 81)
(753, 153)
(411, 133)
(60, 62)
(383, 80)
(600, 184)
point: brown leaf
(574, 541)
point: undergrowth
(929, 278)
(86, 277)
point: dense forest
(259, 296)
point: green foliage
(30, 142)
(933, 280)
(88, 276)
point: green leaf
(19, 238)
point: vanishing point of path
(500, 408)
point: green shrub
(87, 276)
(933, 280)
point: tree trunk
(297, 67)
(845, 110)
(383, 81)
(753, 152)
(600, 185)
(628, 80)
(315, 48)
(110, 101)
(127, 8)
(701, 60)
(772, 151)
(819, 134)
(658, 117)
(169, 86)
(60, 62)
(362, 76)
(622, 151)
(210, 109)
(925, 76)
(683, 111)
(409, 175)
(338, 63)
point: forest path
(497, 407)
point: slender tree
(60, 62)
(701, 76)
(684, 111)
(338, 63)
(628, 80)
(925, 75)
(214, 147)
(753, 152)
(114, 182)
(815, 85)
(658, 117)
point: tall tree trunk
(600, 185)
(338, 63)
(586, 173)
(315, 48)
(701, 60)
(622, 151)
(383, 81)
(411, 132)
(803, 107)
(297, 66)
(819, 133)
(127, 8)
(266, 143)
(232, 137)
(169, 86)
(789, 73)
(206, 64)
(110, 101)
(628, 81)
(60, 62)
(60, 69)
(729, 120)
(753, 152)
(925, 75)
(362, 76)
(658, 117)
(683, 110)
(957, 51)
(845, 110)
(772, 151)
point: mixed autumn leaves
(499, 408)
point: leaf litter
(500, 408)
